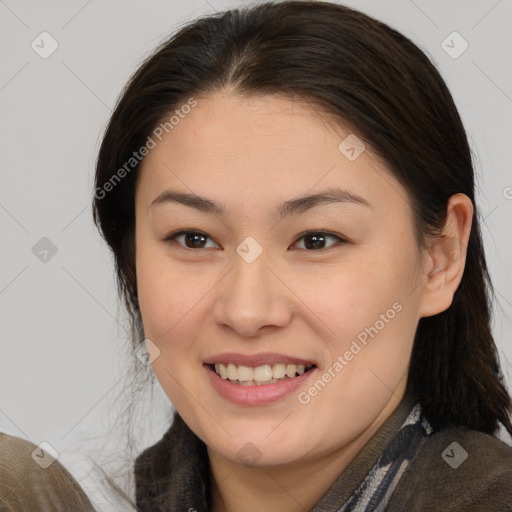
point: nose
(251, 298)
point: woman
(301, 241)
(289, 196)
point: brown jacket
(25, 486)
(173, 475)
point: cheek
(365, 299)
(347, 295)
(170, 301)
(167, 293)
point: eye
(315, 240)
(192, 239)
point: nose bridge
(251, 296)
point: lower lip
(255, 395)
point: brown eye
(316, 240)
(191, 239)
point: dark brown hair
(370, 76)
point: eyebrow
(290, 207)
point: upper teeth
(259, 373)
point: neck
(293, 487)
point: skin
(250, 156)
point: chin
(259, 449)
(257, 456)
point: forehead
(260, 149)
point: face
(253, 277)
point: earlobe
(447, 257)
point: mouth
(259, 375)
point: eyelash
(172, 237)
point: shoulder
(31, 479)
(457, 469)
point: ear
(446, 257)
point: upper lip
(255, 360)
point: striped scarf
(376, 489)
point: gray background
(61, 328)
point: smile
(260, 386)
(259, 375)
